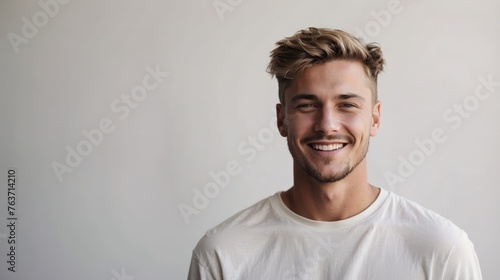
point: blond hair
(313, 45)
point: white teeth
(330, 147)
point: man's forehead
(336, 77)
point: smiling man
(332, 224)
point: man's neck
(330, 201)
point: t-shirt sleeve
(462, 263)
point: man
(332, 224)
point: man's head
(329, 109)
(311, 46)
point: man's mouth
(327, 147)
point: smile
(329, 147)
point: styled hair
(313, 45)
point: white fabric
(392, 239)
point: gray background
(116, 215)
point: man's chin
(329, 177)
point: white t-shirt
(393, 238)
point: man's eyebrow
(344, 96)
(349, 96)
(307, 96)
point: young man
(332, 224)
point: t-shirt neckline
(280, 206)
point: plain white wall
(116, 214)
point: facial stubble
(316, 174)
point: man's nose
(328, 121)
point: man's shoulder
(255, 215)
(430, 236)
(421, 226)
(247, 221)
(411, 212)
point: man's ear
(375, 119)
(281, 122)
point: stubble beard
(316, 174)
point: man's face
(328, 118)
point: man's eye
(305, 106)
(348, 105)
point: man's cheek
(296, 118)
